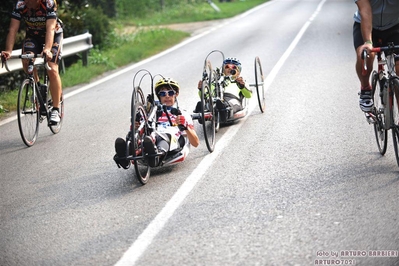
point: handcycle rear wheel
(135, 146)
(380, 131)
(259, 81)
(207, 111)
(395, 118)
(28, 113)
(57, 127)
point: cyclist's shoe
(149, 147)
(366, 100)
(222, 110)
(120, 149)
(198, 108)
(55, 117)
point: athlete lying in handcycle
(231, 91)
(161, 133)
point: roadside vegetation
(122, 37)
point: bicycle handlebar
(389, 48)
(23, 56)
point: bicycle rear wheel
(57, 127)
(259, 81)
(139, 131)
(395, 118)
(28, 113)
(380, 131)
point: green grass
(192, 13)
(133, 47)
(141, 44)
(8, 102)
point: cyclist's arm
(185, 120)
(366, 24)
(50, 30)
(243, 88)
(12, 33)
(192, 136)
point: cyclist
(44, 34)
(375, 21)
(167, 138)
(234, 90)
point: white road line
(145, 239)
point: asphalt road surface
(301, 184)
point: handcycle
(34, 102)
(213, 82)
(385, 92)
(144, 122)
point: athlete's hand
(48, 54)
(241, 83)
(5, 55)
(200, 85)
(182, 122)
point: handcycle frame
(385, 91)
(143, 123)
(213, 81)
(34, 103)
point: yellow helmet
(167, 82)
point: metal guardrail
(71, 46)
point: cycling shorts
(380, 38)
(35, 45)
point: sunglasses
(230, 66)
(164, 93)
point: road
(301, 184)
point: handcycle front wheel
(28, 113)
(380, 131)
(259, 84)
(207, 111)
(135, 146)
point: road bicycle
(213, 82)
(385, 91)
(34, 103)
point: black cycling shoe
(151, 150)
(120, 149)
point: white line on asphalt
(145, 239)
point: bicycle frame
(33, 104)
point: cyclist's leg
(392, 35)
(358, 42)
(365, 100)
(53, 74)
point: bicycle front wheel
(28, 113)
(395, 120)
(380, 131)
